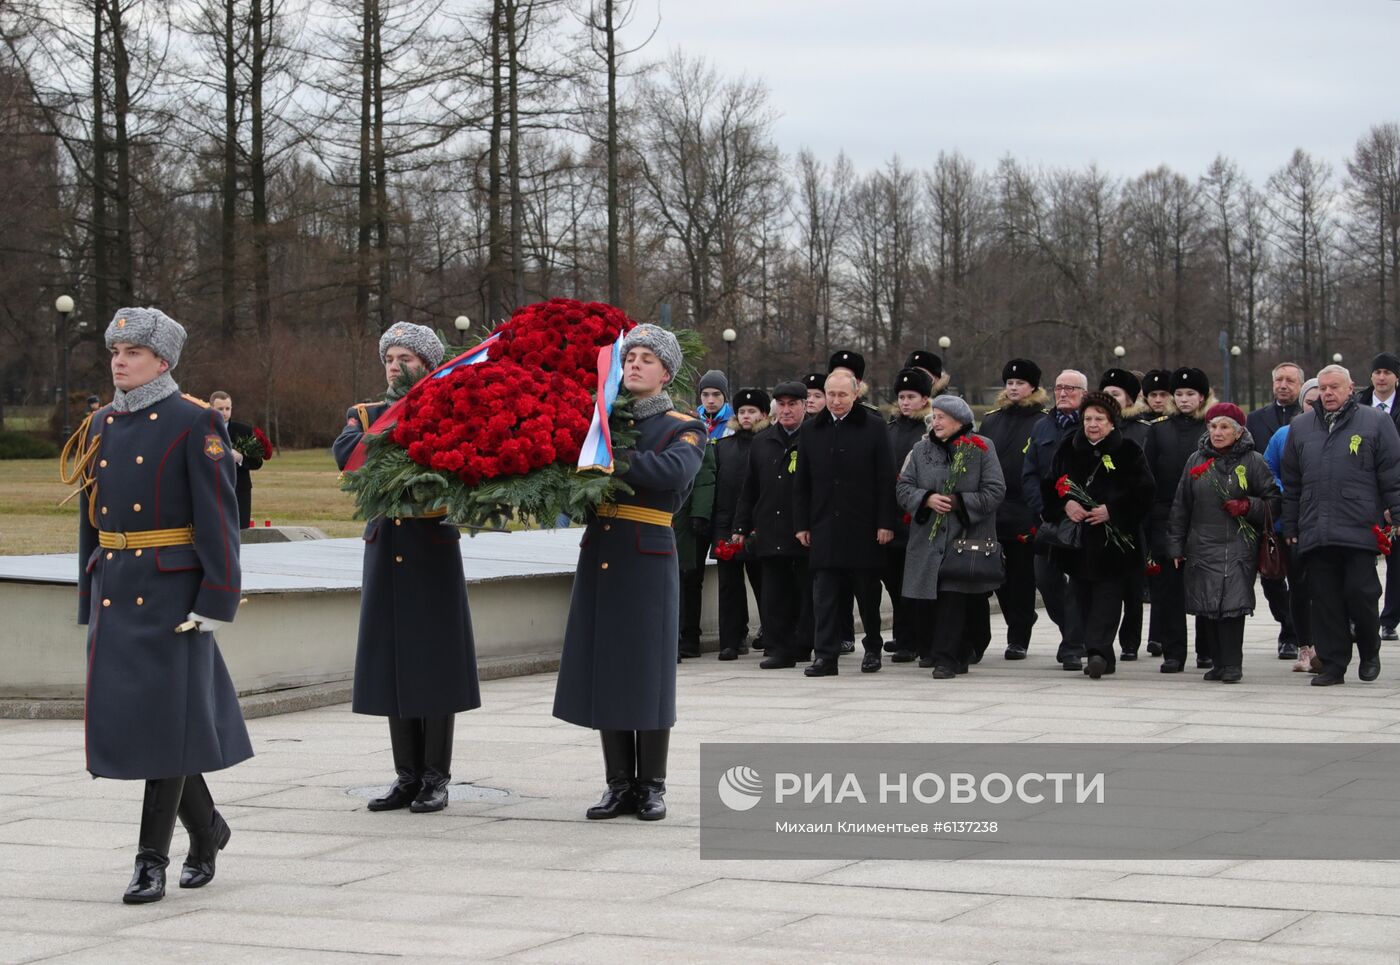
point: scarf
(717, 423)
(161, 387)
(653, 405)
(1066, 420)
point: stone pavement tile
(1321, 724)
(336, 934)
(814, 898)
(335, 901)
(689, 863)
(357, 823)
(54, 916)
(1075, 941)
(462, 852)
(1244, 893)
(1132, 918)
(1386, 874)
(509, 881)
(50, 833)
(19, 946)
(1188, 867)
(972, 876)
(611, 949)
(1331, 930)
(45, 765)
(659, 918)
(306, 798)
(145, 951)
(1270, 953)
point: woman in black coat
(1112, 471)
(731, 467)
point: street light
(1337, 357)
(729, 335)
(63, 304)
(461, 323)
(1119, 351)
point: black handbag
(973, 561)
(1273, 561)
(1059, 534)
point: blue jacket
(1036, 468)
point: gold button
(106, 602)
(607, 526)
(398, 522)
(138, 552)
(154, 417)
(110, 420)
(140, 459)
(136, 506)
(104, 510)
(605, 566)
(110, 555)
(103, 463)
(140, 601)
(398, 559)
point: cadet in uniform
(731, 466)
(158, 557)
(416, 659)
(909, 424)
(617, 673)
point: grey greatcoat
(416, 655)
(618, 668)
(159, 703)
(980, 491)
(1221, 562)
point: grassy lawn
(297, 488)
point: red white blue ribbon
(596, 452)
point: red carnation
(1203, 468)
(1382, 541)
(1062, 486)
(263, 441)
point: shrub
(23, 445)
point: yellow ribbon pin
(792, 462)
(1108, 462)
(1355, 445)
(1240, 475)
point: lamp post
(63, 304)
(1337, 357)
(944, 344)
(1118, 352)
(461, 323)
(1234, 354)
(729, 335)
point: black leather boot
(437, 764)
(652, 748)
(208, 832)
(620, 766)
(158, 812)
(406, 738)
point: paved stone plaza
(311, 876)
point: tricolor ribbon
(596, 452)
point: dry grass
(298, 488)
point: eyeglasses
(1067, 389)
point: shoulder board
(678, 414)
(1160, 418)
(991, 412)
(189, 398)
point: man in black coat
(764, 520)
(1385, 370)
(1134, 423)
(912, 387)
(1262, 423)
(1019, 407)
(415, 662)
(158, 574)
(731, 466)
(246, 462)
(846, 514)
(1050, 577)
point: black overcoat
(243, 481)
(416, 655)
(1126, 488)
(845, 489)
(618, 668)
(159, 703)
(1009, 428)
(905, 432)
(1170, 442)
(731, 466)
(764, 515)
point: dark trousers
(692, 583)
(1277, 593)
(785, 607)
(1101, 604)
(1299, 597)
(1168, 623)
(734, 601)
(1345, 593)
(1390, 612)
(1130, 630)
(1016, 595)
(1053, 584)
(947, 627)
(893, 578)
(830, 589)
(1223, 640)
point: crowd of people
(1100, 497)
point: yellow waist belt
(146, 538)
(639, 514)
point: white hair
(1075, 372)
(840, 370)
(1335, 370)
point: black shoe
(1231, 675)
(870, 662)
(848, 646)
(1128, 655)
(1369, 669)
(1015, 653)
(976, 656)
(1097, 666)
(690, 653)
(400, 795)
(620, 798)
(204, 849)
(1328, 679)
(904, 656)
(758, 643)
(961, 669)
(1204, 663)
(774, 662)
(1073, 663)
(406, 740)
(653, 746)
(1170, 666)
(944, 673)
(743, 649)
(651, 800)
(891, 647)
(1288, 651)
(148, 878)
(1154, 649)
(1388, 633)
(432, 796)
(1214, 673)
(620, 768)
(437, 764)
(821, 667)
(926, 662)
(728, 653)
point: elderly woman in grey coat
(1216, 518)
(950, 485)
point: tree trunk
(262, 23)
(517, 203)
(101, 283)
(228, 296)
(614, 276)
(381, 181)
(495, 232)
(365, 194)
(121, 108)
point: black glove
(700, 527)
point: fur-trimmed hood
(758, 426)
(1039, 399)
(1200, 414)
(1138, 410)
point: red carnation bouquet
(962, 447)
(495, 434)
(257, 444)
(1067, 488)
(1222, 490)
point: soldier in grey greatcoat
(158, 558)
(617, 673)
(415, 662)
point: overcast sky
(1126, 83)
